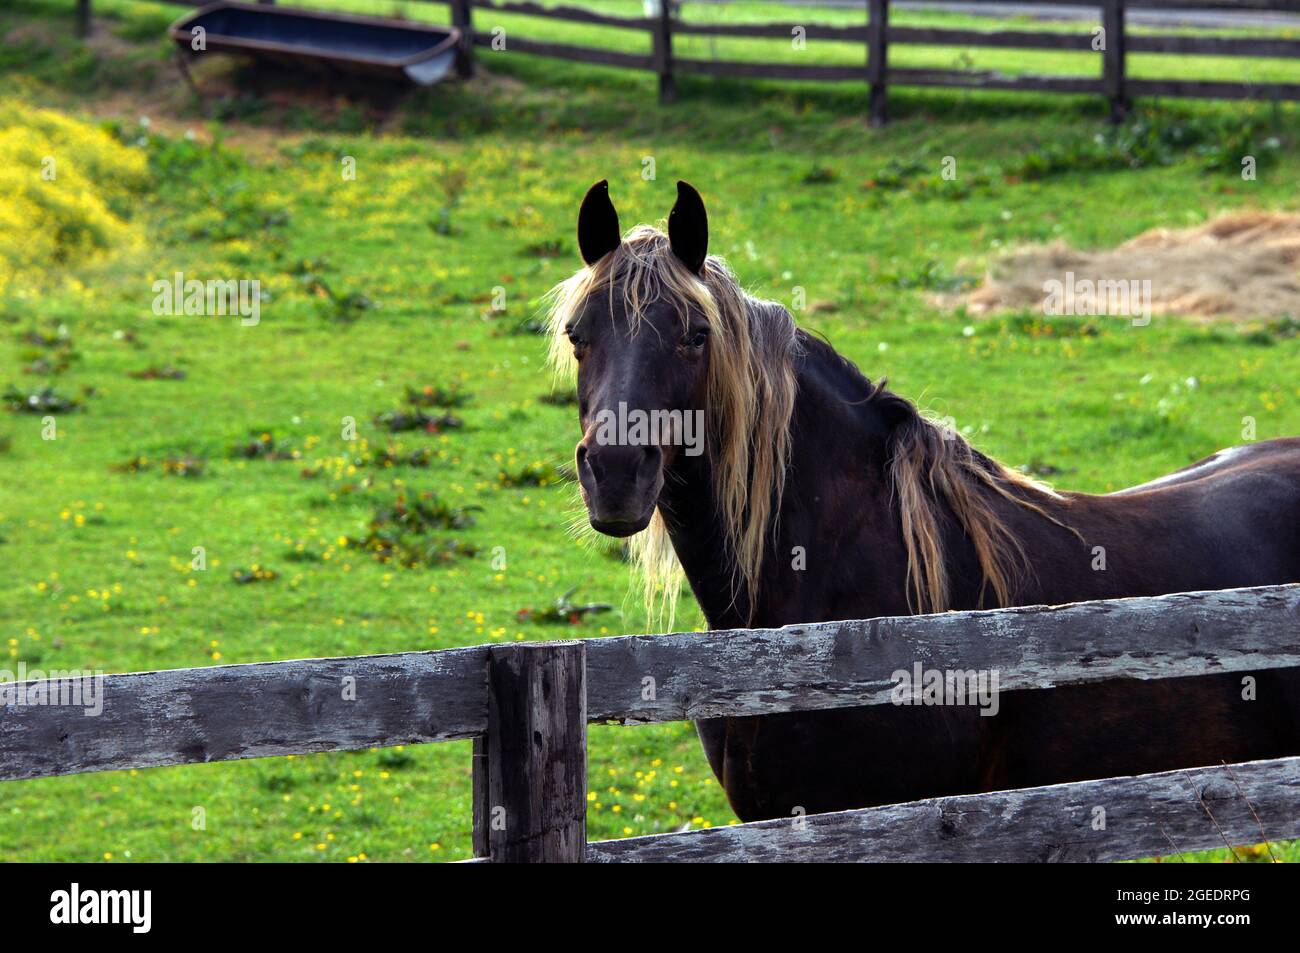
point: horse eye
(696, 339)
(576, 339)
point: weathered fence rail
(527, 706)
(877, 36)
(1147, 815)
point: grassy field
(195, 431)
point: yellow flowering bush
(63, 184)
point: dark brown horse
(820, 495)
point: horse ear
(688, 228)
(598, 233)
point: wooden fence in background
(527, 707)
(877, 36)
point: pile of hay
(1241, 265)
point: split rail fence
(878, 36)
(527, 707)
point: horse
(820, 495)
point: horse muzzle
(620, 485)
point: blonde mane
(931, 465)
(751, 393)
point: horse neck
(836, 473)
(687, 505)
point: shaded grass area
(465, 194)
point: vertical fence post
(877, 43)
(662, 33)
(83, 18)
(1112, 23)
(462, 18)
(530, 788)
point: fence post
(462, 18)
(83, 18)
(530, 788)
(662, 34)
(1112, 23)
(877, 25)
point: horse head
(642, 348)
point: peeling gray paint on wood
(846, 664)
(296, 707)
(536, 754)
(1147, 815)
(251, 711)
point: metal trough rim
(179, 32)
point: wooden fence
(527, 707)
(877, 37)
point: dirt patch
(1241, 265)
(42, 33)
(106, 44)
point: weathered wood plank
(1113, 59)
(812, 31)
(537, 753)
(481, 798)
(662, 37)
(1199, 89)
(1146, 815)
(561, 12)
(564, 51)
(1270, 5)
(738, 68)
(1005, 39)
(462, 18)
(877, 62)
(1214, 45)
(226, 712)
(844, 664)
(1273, 6)
(296, 707)
(989, 79)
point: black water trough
(414, 52)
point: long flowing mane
(751, 394)
(932, 466)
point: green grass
(96, 560)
